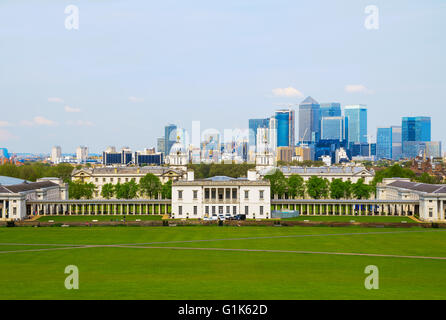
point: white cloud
(38, 121)
(55, 99)
(357, 88)
(287, 92)
(71, 109)
(5, 124)
(135, 99)
(80, 123)
(5, 135)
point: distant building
(357, 123)
(148, 157)
(415, 130)
(81, 154)
(170, 137)
(56, 154)
(4, 153)
(309, 121)
(285, 154)
(333, 128)
(160, 145)
(111, 157)
(332, 109)
(285, 128)
(384, 143)
(255, 124)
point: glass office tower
(384, 143)
(285, 128)
(357, 123)
(255, 124)
(170, 137)
(333, 128)
(415, 129)
(332, 109)
(309, 121)
(397, 143)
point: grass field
(352, 218)
(99, 218)
(210, 262)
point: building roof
(157, 170)
(9, 181)
(420, 187)
(309, 100)
(16, 188)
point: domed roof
(177, 148)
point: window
(195, 194)
(246, 194)
(213, 210)
(206, 193)
(261, 210)
(126, 179)
(234, 193)
(234, 210)
(96, 179)
(119, 179)
(206, 210)
(213, 194)
(180, 194)
(195, 210)
(246, 210)
(111, 179)
(180, 210)
(220, 210)
(103, 179)
(431, 211)
(228, 193)
(228, 209)
(261, 194)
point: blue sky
(134, 66)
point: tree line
(37, 170)
(317, 188)
(149, 186)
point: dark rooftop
(27, 186)
(421, 187)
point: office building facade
(357, 123)
(309, 121)
(285, 128)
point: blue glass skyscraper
(332, 109)
(333, 128)
(170, 137)
(357, 123)
(254, 124)
(414, 131)
(384, 143)
(285, 128)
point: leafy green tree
(80, 190)
(317, 188)
(427, 178)
(108, 191)
(348, 189)
(337, 189)
(278, 183)
(362, 190)
(150, 185)
(296, 186)
(166, 190)
(395, 171)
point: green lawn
(352, 218)
(142, 272)
(89, 218)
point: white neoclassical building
(103, 175)
(221, 195)
(346, 173)
(432, 197)
(13, 198)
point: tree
(278, 183)
(337, 189)
(296, 186)
(348, 189)
(317, 188)
(150, 185)
(166, 190)
(395, 171)
(362, 190)
(128, 190)
(81, 190)
(108, 191)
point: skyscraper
(81, 154)
(285, 128)
(414, 131)
(56, 154)
(333, 128)
(397, 144)
(357, 123)
(309, 121)
(255, 124)
(170, 137)
(384, 143)
(332, 109)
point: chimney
(190, 175)
(252, 175)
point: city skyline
(101, 85)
